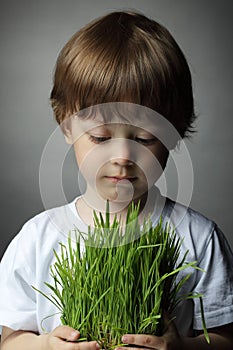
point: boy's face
(119, 162)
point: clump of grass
(119, 284)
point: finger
(172, 336)
(144, 340)
(66, 333)
(170, 326)
(84, 345)
(136, 347)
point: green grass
(118, 284)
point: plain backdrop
(33, 33)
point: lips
(116, 178)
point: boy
(123, 96)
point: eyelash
(98, 139)
(101, 139)
(146, 142)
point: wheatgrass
(119, 284)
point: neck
(89, 202)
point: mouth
(116, 179)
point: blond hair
(124, 57)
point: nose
(122, 153)
(122, 161)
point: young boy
(123, 97)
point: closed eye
(98, 139)
(102, 139)
(146, 142)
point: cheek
(153, 163)
(79, 155)
(90, 159)
(81, 149)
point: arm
(56, 340)
(221, 338)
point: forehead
(115, 129)
(119, 113)
(127, 115)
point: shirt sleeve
(216, 283)
(17, 297)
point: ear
(67, 131)
(68, 136)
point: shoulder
(59, 219)
(183, 217)
(194, 229)
(42, 233)
(48, 221)
(204, 242)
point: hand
(64, 338)
(170, 340)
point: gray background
(32, 34)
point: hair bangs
(124, 57)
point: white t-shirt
(29, 256)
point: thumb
(171, 335)
(66, 332)
(169, 324)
